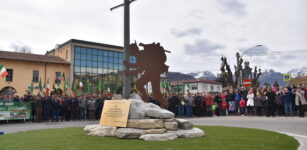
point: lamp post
(126, 78)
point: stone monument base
(148, 122)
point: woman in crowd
(250, 101)
(300, 101)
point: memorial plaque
(115, 113)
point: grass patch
(216, 138)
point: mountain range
(268, 76)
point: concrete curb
(300, 138)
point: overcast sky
(197, 32)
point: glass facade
(92, 65)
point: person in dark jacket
(33, 107)
(218, 102)
(271, 96)
(91, 109)
(288, 101)
(75, 109)
(55, 107)
(279, 104)
(39, 108)
(66, 108)
(198, 105)
(46, 108)
(258, 104)
(174, 104)
(100, 103)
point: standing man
(271, 102)
(287, 99)
(82, 103)
(189, 105)
(39, 108)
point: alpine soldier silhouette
(149, 64)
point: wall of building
(203, 87)
(23, 74)
(63, 52)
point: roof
(31, 57)
(87, 43)
(194, 81)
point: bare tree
(21, 47)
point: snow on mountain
(203, 75)
(298, 72)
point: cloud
(203, 46)
(187, 32)
(234, 7)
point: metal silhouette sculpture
(150, 65)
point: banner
(14, 110)
(232, 106)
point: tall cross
(126, 4)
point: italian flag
(3, 72)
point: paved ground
(292, 126)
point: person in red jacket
(242, 107)
(224, 107)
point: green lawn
(216, 138)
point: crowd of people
(62, 108)
(268, 102)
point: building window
(35, 75)
(212, 88)
(58, 77)
(66, 54)
(193, 87)
(9, 77)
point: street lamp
(244, 52)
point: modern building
(196, 86)
(91, 62)
(79, 61)
(23, 69)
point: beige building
(196, 86)
(25, 68)
(81, 61)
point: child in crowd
(224, 107)
(242, 107)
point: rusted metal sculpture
(149, 65)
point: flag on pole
(53, 87)
(99, 86)
(31, 87)
(89, 87)
(40, 86)
(168, 87)
(65, 87)
(3, 72)
(47, 87)
(109, 92)
(80, 85)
